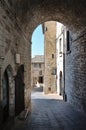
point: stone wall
(50, 57)
(75, 72)
(13, 41)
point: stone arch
(31, 13)
(34, 12)
(8, 88)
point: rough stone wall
(75, 72)
(50, 56)
(13, 41)
(33, 12)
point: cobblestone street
(50, 112)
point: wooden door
(5, 84)
(19, 91)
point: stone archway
(8, 87)
(30, 13)
(19, 91)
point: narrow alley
(50, 112)
(61, 69)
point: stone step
(23, 115)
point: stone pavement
(49, 112)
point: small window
(40, 79)
(46, 29)
(39, 65)
(53, 71)
(60, 45)
(68, 41)
(52, 56)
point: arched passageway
(32, 13)
(28, 14)
(21, 17)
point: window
(52, 56)
(46, 29)
(60, 45)
(39, 65)
(53, 71)
(40, 79)
(68, 41)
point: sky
(38, 41)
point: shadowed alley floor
(49, 112)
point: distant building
(62, 39)
(37, 71)
(49, 30)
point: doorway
(5, 83)
(19, 91)
(41, 79)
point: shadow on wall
(1, 114)
(8, 86)
(19, 91)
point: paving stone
(52, 113)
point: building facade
(60, 45)
(49, 30)
(37, 71)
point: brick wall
(75, 73)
